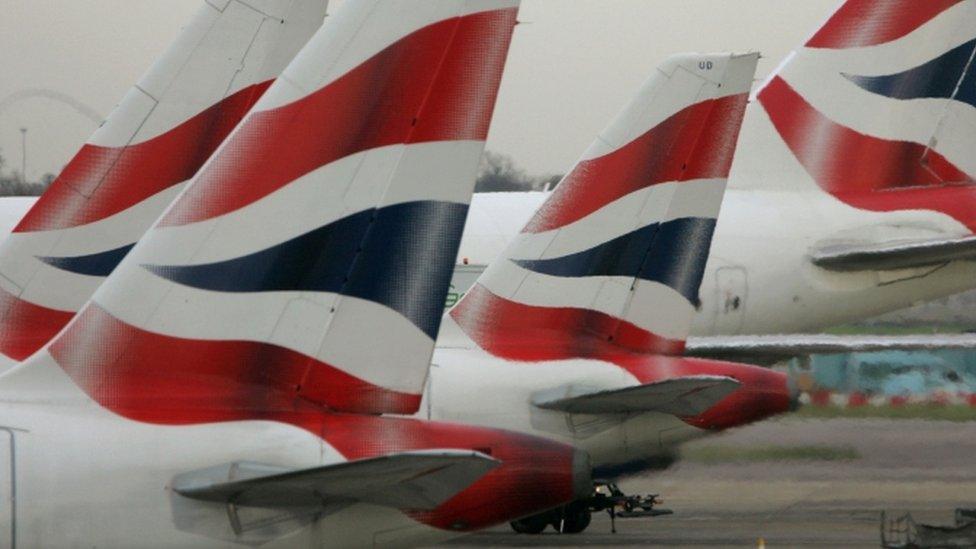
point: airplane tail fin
(136, 163)
(310, 258)
(614, 258)
(878, 109)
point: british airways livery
(852, 190)
(133, 167)
(205, 399)
(576, 331)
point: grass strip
(716, 454)
(930, 412)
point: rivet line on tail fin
(913, 176)
(695, 143)
(393, 250)
(102, 181)
(366, 108)
(611, 263)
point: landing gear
(531, 525)
(575, 517)
(568, 519)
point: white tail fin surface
(311, 256)
(877, 109)
(137, 162)
(615, 256)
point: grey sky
(573, 64)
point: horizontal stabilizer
(904, 255)
(419, 480)
(681, 396)
(777, 348)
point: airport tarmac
(925, 467)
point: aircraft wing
(419, 480)
(898, 255)
(681, 396)
(776, 348)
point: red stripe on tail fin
(696, 143)
(517, 331)
(26, 327)
(161, 379)
(102, 181)
(860, 23)
(411, 92)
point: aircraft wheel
(530, 525)
(576, 520)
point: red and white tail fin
(614, 258)
(878, 109)
(311, 256)
(137, 162)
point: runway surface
(925, 467)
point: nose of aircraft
(763, 393)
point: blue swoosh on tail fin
(671, 253)
(935, 79)
(399, 256)
(100, 264)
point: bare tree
(12, 185)
(499, 173)
(47, 179)
(548, 182)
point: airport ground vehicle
(904, 533)
(575, 517)
(576, 332)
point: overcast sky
(573, 63)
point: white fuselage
(472, 387)
(759, 278)
(760, 255)
(86, 477)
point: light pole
(23, 157)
